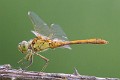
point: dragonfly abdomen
(88, 41)
(55, 44)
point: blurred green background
(80, 19)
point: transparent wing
(57, 33)
(54, 31)
(39, 25)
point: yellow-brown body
(39, 44)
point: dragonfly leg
(20, 60)
(30, 58)
(23, 59)
(44, 58)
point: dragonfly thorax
(38, 44)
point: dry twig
(7, 73)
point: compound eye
(23, 46)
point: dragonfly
(47, 37)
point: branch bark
(7, 73)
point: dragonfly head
(23, 47)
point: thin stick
(7, 73)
